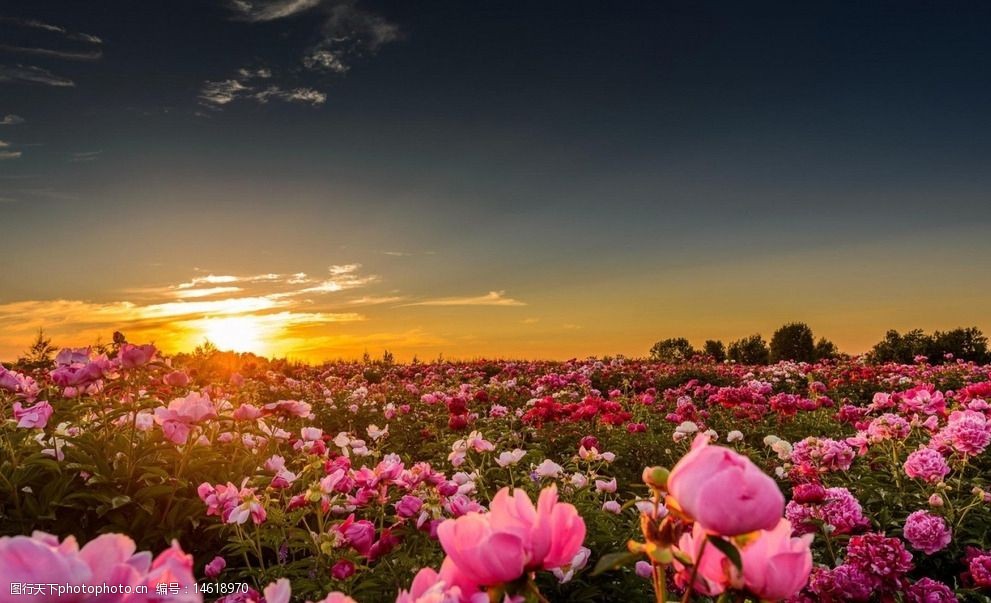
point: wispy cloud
(222, 92)
(205, 292)
(10, 155)
(85, 156)
(70, 55)
(373, 300)
(492, 298)
(11, 120)
(343, 276)
(218, 94)
(296, 95)
(34, 75)
(346, 32)
(35, 24)
(270, 10)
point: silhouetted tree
(715, 349)
(901, 348)
(965, 344)
(39, 355)
(793, 341)
(749, 350)
(826, 350)
(672, 350)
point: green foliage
(714, 349)
(749, 350)
(672, 350)
(793, 341)
(967, 344)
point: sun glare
(238, 334)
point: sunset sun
(238, 334)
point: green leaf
(727, 548)
(611, 561)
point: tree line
(795, 341)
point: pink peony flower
(927, 532)
(33, 417)
(182, 414)
(926, 464)
(109, 558)
(724, 491)
(927, 590)
(513, 537)
(176, 379)
(884, 559)
(133, 356)
(213, 569)
(776, 565)
(840, 510)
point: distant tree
(676, 349)
(39, 355)
(749, 350)
(901, 348)
(715, 350)
(965, 344)
(388, 358)
(793, 341)
(826, 350)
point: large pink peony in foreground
(724, 491)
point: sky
(322, 178)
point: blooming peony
(927, 532)
(513, 537)
(724, 491)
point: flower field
(611, 480)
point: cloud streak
(70, 55)
(34, 75)
(11, 120)
(35, 24)
(492, 298)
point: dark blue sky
(641, 151)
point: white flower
(579, 480)
(567, 572)
(687, 427)
(549, 468)
(507, 458)
(734, 436)
(375, 433)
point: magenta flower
(926, 464)
(133, 356)
(927, 532)
(213, 569)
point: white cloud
(35, 75)
(300, 95)
(270, 10)
(222, 92)
(372, 300)
(327, 60)
(71, 55)
(11, 120)
(10, 155)
(35, 24)
(85, 156)
(261, 73)
(205, 292)
(492, 298)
